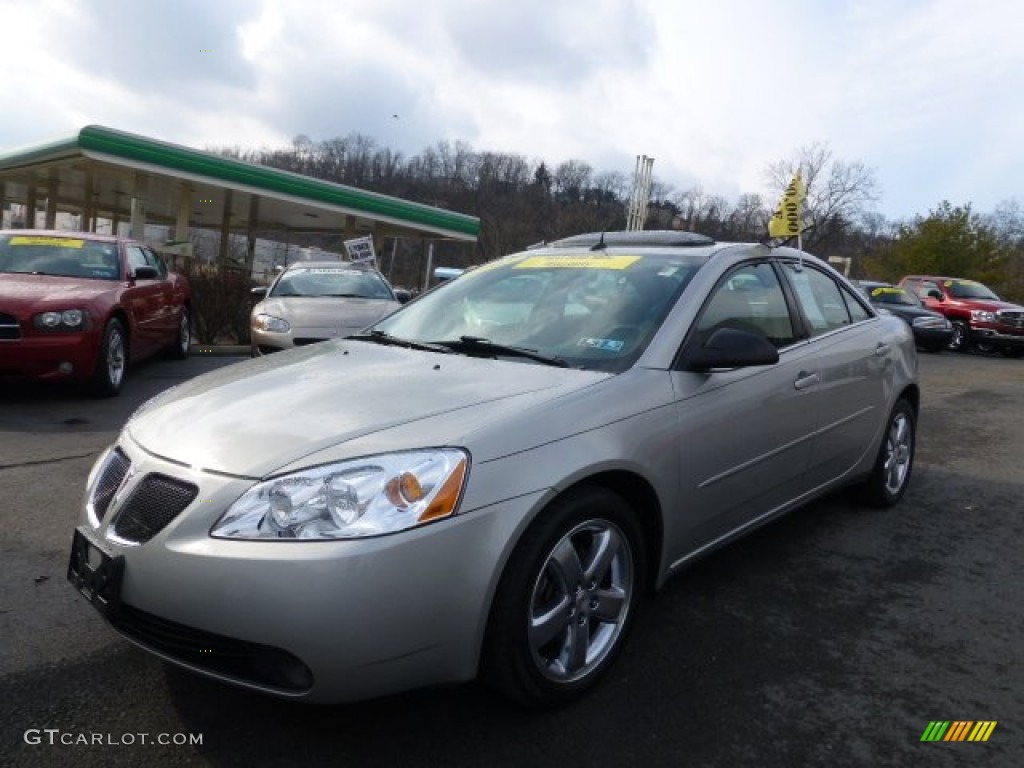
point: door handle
(805, 380)
(882, 349)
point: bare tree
(838, 193)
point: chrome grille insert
(152, 505)
(111, 476)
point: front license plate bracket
(96, 574)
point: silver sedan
(312, 301)
(488, 481)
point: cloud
(923, 91)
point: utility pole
(636, 216)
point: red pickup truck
(980, 319)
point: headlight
(983, 316)
(351, 499)
(66, 320)
(271, 323)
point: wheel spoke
(609, 605)
(565, 562)
(606, 547)
(577, 647)
(548, 625)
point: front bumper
(932, 337)
(268, 342)
(327, 621)
(48, 357)
(997, 336)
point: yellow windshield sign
(882, 291)
(581, 262)
(60, 242)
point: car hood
(255, 417)
(327, 312)
(33, 290)
(905, 310)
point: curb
(218, 350)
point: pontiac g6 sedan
(486, 482)
(81, 306)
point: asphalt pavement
(832, 637)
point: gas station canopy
(109, 174)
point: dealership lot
(833, 636)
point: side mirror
(260, 291)
(730, 348)
(937, 295)
(147, 273)
(402, 295)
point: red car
(76, 305)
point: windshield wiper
(385, 338)
(470, 344)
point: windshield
(890, 294)
(967, 289)
(332, 281)
(59, 256)
(595, 311)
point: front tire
(891, 474)
(960, 341)
(112, 360)
(566, 601)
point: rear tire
(112, 360)
(180, 349)
(891, 474)
(566, 600)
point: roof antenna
(600, 245)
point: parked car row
(951, 313)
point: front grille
(111, 477)
(245, 661)
(10, 330)
(154, 503)
(304, 340)
(1012, 317)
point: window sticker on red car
(585, 262)
(59, 242)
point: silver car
(313, 301)
(487, 482)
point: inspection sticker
(60, 242)
(581, 262)
(608, 345)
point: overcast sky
(929, 94)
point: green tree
(950, 240)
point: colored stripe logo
(959, 730)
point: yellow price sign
(60, 242)
(577, 262)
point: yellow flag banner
(788, 219)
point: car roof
(329, 264)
